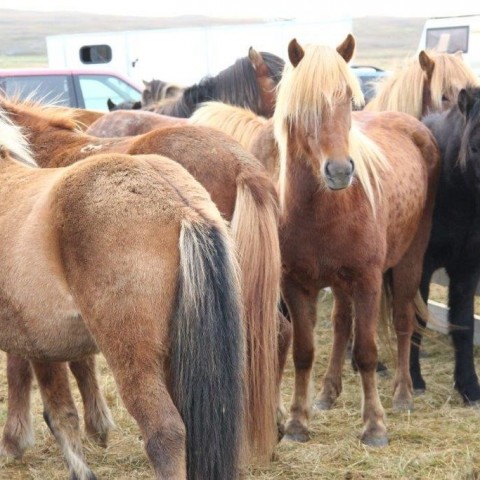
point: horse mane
(403, 90)
(14, 141)
(240, 123)
(236, 84)
(310, 90)
(56, 116)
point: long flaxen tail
(208, 349)
(255, 229)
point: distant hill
(380, 40)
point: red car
(88, 89)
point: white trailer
(453, 34)
(185, 55)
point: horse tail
(207, 356)
(255, 229)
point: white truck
(185, 55)
(453, 34)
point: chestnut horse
(135, 246)
(428, 82)
(245, 196)
(356, 192)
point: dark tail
(208, 349)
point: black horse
(455, 237)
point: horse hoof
(296, 432)
(322, 405)
(419, 391)
(375, 441)
(297, 437)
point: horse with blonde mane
(428, 82)
(132, 245)
(356, 192)
(245, 196)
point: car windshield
(97, 89)
(52, 89)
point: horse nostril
(352, 165)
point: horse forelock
(275, 65)
(402, 91)
(450, 75)
(14, 141)
(309, 91)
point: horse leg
(97, 416)
(366, 304)
(18, 434)
(302, 306)
(342, 330)
(61, 415)
(418, 382)
(284, 340)
(461, 294)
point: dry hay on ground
(440, 439)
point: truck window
(52, 89)
(97, 89)
(92, 54)
(448, 39)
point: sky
(253, 8)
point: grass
(437, 440)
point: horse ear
(255, 58)
(295, 52)
(145, 83)
(136, 105)
(347, 48)
(110, 104)
(427, 64)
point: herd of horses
(187, 241)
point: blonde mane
(240, 123)
(403, 90)
(13, 141)
(310, 90)
(57, 116)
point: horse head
(469, 156)
(318, 116)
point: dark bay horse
(135, 246)
(428, 82)
(455, 239)
(249, 82)
(356, 192)
(245, 196)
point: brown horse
(245, 196)
(428, 82)
(122, 123)
(357, 192)
(132, 245)
(253, 132)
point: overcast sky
(313, 9)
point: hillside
(380, 40)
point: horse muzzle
(339, 174)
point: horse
(121, 123)
(427, 82)
(127, 105)
(157, 90)
(252, 131)
(455, 241)
(249, 82)
(245, 196)
(131, 244)
(356, 192)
